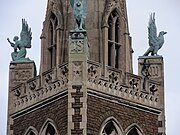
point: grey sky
(167, 19)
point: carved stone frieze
(154, 71)
(62, 73)
(21, 75)
(19, 91)
(134, 83)
(114, 77)
(48, 78)
(33, 84)
(93, 73)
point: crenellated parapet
(126, 86)
(40, 88)
(118, 84)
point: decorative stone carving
(77, 46)
(114, 77)
(145, 68)
(48, 78)
(32, 85)
(154, 71)
(77, 71)
(93, 74)
(22, 75)
(134, 83)
(153, 88)
(145, 72)
(64, 71)
(20, 90)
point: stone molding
(40, 88)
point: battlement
(40, 88)
(126, 86)
(123, 85)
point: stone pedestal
(152, 68)
(77, 87)
(18, 73)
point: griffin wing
(85, 6)
(152, 31)
(26, 34)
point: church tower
(86, 84)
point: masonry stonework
(86, 84)
(56, 110)
(99, 109)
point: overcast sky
(167, 19)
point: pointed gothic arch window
(111, 127)
(52, 41)
(113, 39)
(133, 132)
(134, 129)
(31, 131)
(48, 128)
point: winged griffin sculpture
(20, 46)
(155, 42)
(80, 13)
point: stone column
(43, 62)
(113, 50)
(77, 87)
(156, 72)
(18, 73)
(105, 49)
(59, 58)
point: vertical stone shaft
(113, 52)
(156, 71)
(77, 89)
(18, 73)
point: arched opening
(52, 41)
(133, 132)
(50, 130)
(111, 127)
(134, 129)
(113, 39)
(31, 131)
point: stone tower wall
(86, 84)
(37, 117)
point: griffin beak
(165, 32)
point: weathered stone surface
(86, 78)
(56, 110)
(99, 109)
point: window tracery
(113, 39)
(52, 34)
(111, 127)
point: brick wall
(57, 111)
(100, 109)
